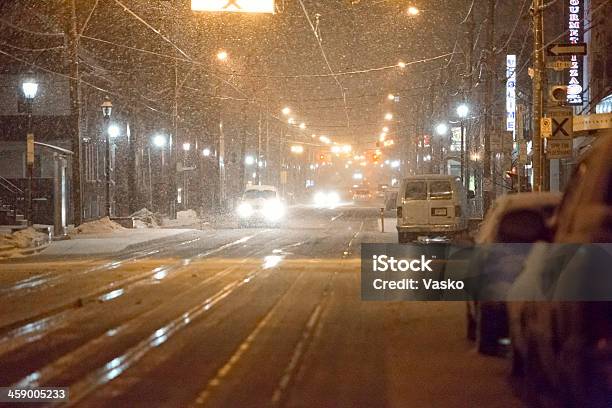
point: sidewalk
(111, 242)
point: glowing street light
(249, 160)
(297, 149)
(347, 148)
(286, 110)
(441, 129)
(159, 140)
(186, 146)
(302, 126)
(113, 131)
(324, 139)
(413, 11)
(206, 152)
(401, 64)
(336, 149)
(222, 55)
(391, 97)
(29, 88)
(291, 121)
(388, 116)
(382, 137)
(385, 129)
(462, 110)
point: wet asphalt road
(230, 317)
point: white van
(430, 205)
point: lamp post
(30, 88)
(107, 108)
(462, 112)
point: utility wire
(318, 39)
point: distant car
(362, 194)
(430, 205)
(568, 345)
(326, 199)
(380, 192)
(487, 320)
(260, 205)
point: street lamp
(297, 149)
(286, 110)
(413, 11)
(159, 140)
(107, 108)
(302, 126)
(249, 160)
(206, 152)
(391, 97)
(441, 129)
(186, 146)
(462, 112)
(222, 55)
(388, 116)
(114, 131)
(30, 89)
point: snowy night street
(256, 317)
(306, 203)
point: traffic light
(558, 94)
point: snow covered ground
(21, 243)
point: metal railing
(11, 196)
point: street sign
(557, 50)
(546, 127)
(558, 148)
(562, 123)
(559, 65)
(234, 6)
(592, 122)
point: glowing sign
(574, 86)
(510, 92)
(235, 6)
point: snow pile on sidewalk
(14, 244)
(145, 218)
(183, 218)
(187, 215)
(103, 225)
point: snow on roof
(261, 188)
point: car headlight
(273, 210)
(245, 210)
(333, 198)
(320, 199)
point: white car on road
(260, 205)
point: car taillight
(457, 211)
(399, 212)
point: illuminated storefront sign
(236, 6)
(510, 92)
(575, 29)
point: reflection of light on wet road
(271, 261)
(111, 295)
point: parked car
(497, 266)
(430, 205)
(568, 345)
